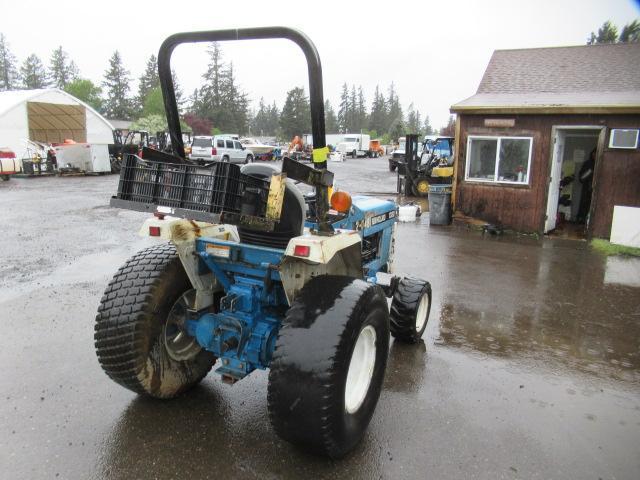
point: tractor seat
(292, 218)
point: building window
(499, 159)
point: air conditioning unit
(623, 138)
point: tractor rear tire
(410, 309)
(328, 365)
(130, 326)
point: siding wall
(522, 208)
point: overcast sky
(434, 52)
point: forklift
(415, 174)
(131, 143)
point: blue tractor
(255, 275)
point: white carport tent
(48, 115)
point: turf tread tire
(129, 324)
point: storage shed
(49, 116)
(550, 140)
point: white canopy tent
(49, 116)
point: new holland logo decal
(375, 220)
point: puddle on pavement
(554, 305)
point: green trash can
(440, 204)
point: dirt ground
(530, 366)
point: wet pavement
(530, 366)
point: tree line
(221, 105)
(218, 105)
(608, 33)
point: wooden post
(456, 156)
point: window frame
(613, 147)
(497, 164)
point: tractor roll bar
(313, 64)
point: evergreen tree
(361, 111)
(33, 73)
(116, 83)
(177, 89)
(220, 99)
(260, 119)
(62, 71)
(395, 118)
(427, 129)
(265, 120)
(607, 33)
(331, 120)
(273, 123)
(8, 71)
(377, 119)
(352, 118)
(194, 100)
(630, 32)
(343, 109)
(211, 94)
(148, 81)
(296, 114)
(86, 91)
(236, 105)
(414, 121)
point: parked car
(220, 148)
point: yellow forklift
(433, 167)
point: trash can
(439, 204)
(27, 167)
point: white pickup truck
(355, 144)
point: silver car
(219, 148)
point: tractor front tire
(392, 167)
(329, 363)
(410, 309)
(132, 321)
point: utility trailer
(9, 165)
(250, 274)
(83, 157)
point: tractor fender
(183, 234)
(339, 254)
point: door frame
(602, 130)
